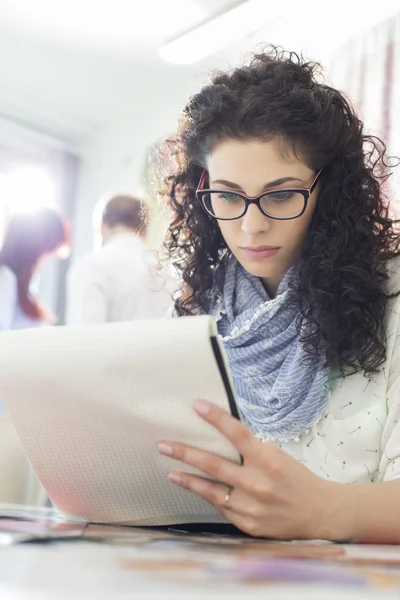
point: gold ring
(227, 498)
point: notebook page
(90, 404)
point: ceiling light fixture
(216, 34)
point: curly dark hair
(341, 292)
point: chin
(260, 269)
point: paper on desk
(90, 404)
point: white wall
(114, 160)
(111, 162)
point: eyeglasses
(280, 204)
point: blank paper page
(90, 403)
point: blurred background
(89, 89)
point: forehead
(253, 157)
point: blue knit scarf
(279, 393)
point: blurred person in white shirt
(122, 281)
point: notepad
(90, 403)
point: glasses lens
(224, 205)
(282, 204)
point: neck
(271, 284)
(118, 230)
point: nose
(254, 221)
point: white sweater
(358, 438)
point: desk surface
(122, 563)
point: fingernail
(174, 477)
(164, 448)
(201, 407)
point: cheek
(292, 234)
(230, 231)
(296, 231)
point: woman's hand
(271, 494)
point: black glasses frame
(305, 192)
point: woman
(293, 250)
(29, 239)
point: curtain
(367, 70)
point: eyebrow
(270, 184)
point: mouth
(260, 251)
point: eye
(281, 196)
(228, 197)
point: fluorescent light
(216, 34)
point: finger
(235, 431)
(245, 523)
(213, 493)
(219, 468)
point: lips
(259, 252)
(260, 248)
